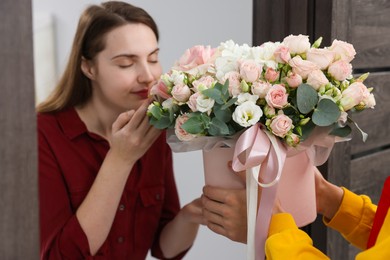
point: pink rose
(293, 140)
(282, 54)
(340, 70)
(194, 57)
(260, 88)
(297, 44)
(317, 79)
(353, 95)
(160, 89)
(293, 79)
(271, 75)
(280, 125)
(370, 101)
(344, 51)
(181, 92)
(302, 67)
(277, 96)
(234, 82)
(192, 102)
(322, 57)
(181, 134)
(250, 71)
(204, 82)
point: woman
(107, 189)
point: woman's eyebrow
(131, 56)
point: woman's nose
(145, 74)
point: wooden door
(18, 144)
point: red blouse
(69, 159)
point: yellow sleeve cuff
(280, 222)
(354, 218)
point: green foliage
(307, 98)
(326, 113)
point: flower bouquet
(280, 107)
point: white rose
(247, 114)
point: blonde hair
(74, 88)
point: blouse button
(121, 207)
(121, 239)
(157, 196)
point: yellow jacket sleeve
(354, 218)
(286, 241)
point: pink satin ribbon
(254, 148)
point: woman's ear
(87, 68)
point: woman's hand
(328, 196)
(225, 212)
(132, 135)
(193, 212)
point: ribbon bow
(261, 155)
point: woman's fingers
(122, 120)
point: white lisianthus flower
(224, 65)
(177, 77)
(247, 114)
(167, 104)
(204, 104)
(243, 97)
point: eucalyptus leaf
(215, 94)
(161, 123)
(218, 127)
(222, 114)
(306, 130)
(307, 98)
(229, 103)
(341, 131)
(326, 113)
(156, 112)
(194, 125)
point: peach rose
(322, 57)
(293, 79)
(181, 92)
(250, 71)
(180, 132)
(343, 50)
(282, 54)
(260, 88)
(194, 57)
(317, 79)
(234, 82)
(277, 96)
(340, 70)
(280, 125)
(202, 83)
(302, 67)
(271, 75)
(353, 95)
(297, 44)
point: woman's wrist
(329, 197)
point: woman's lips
(143, 93)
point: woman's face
(124, 71)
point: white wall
(182, 24)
